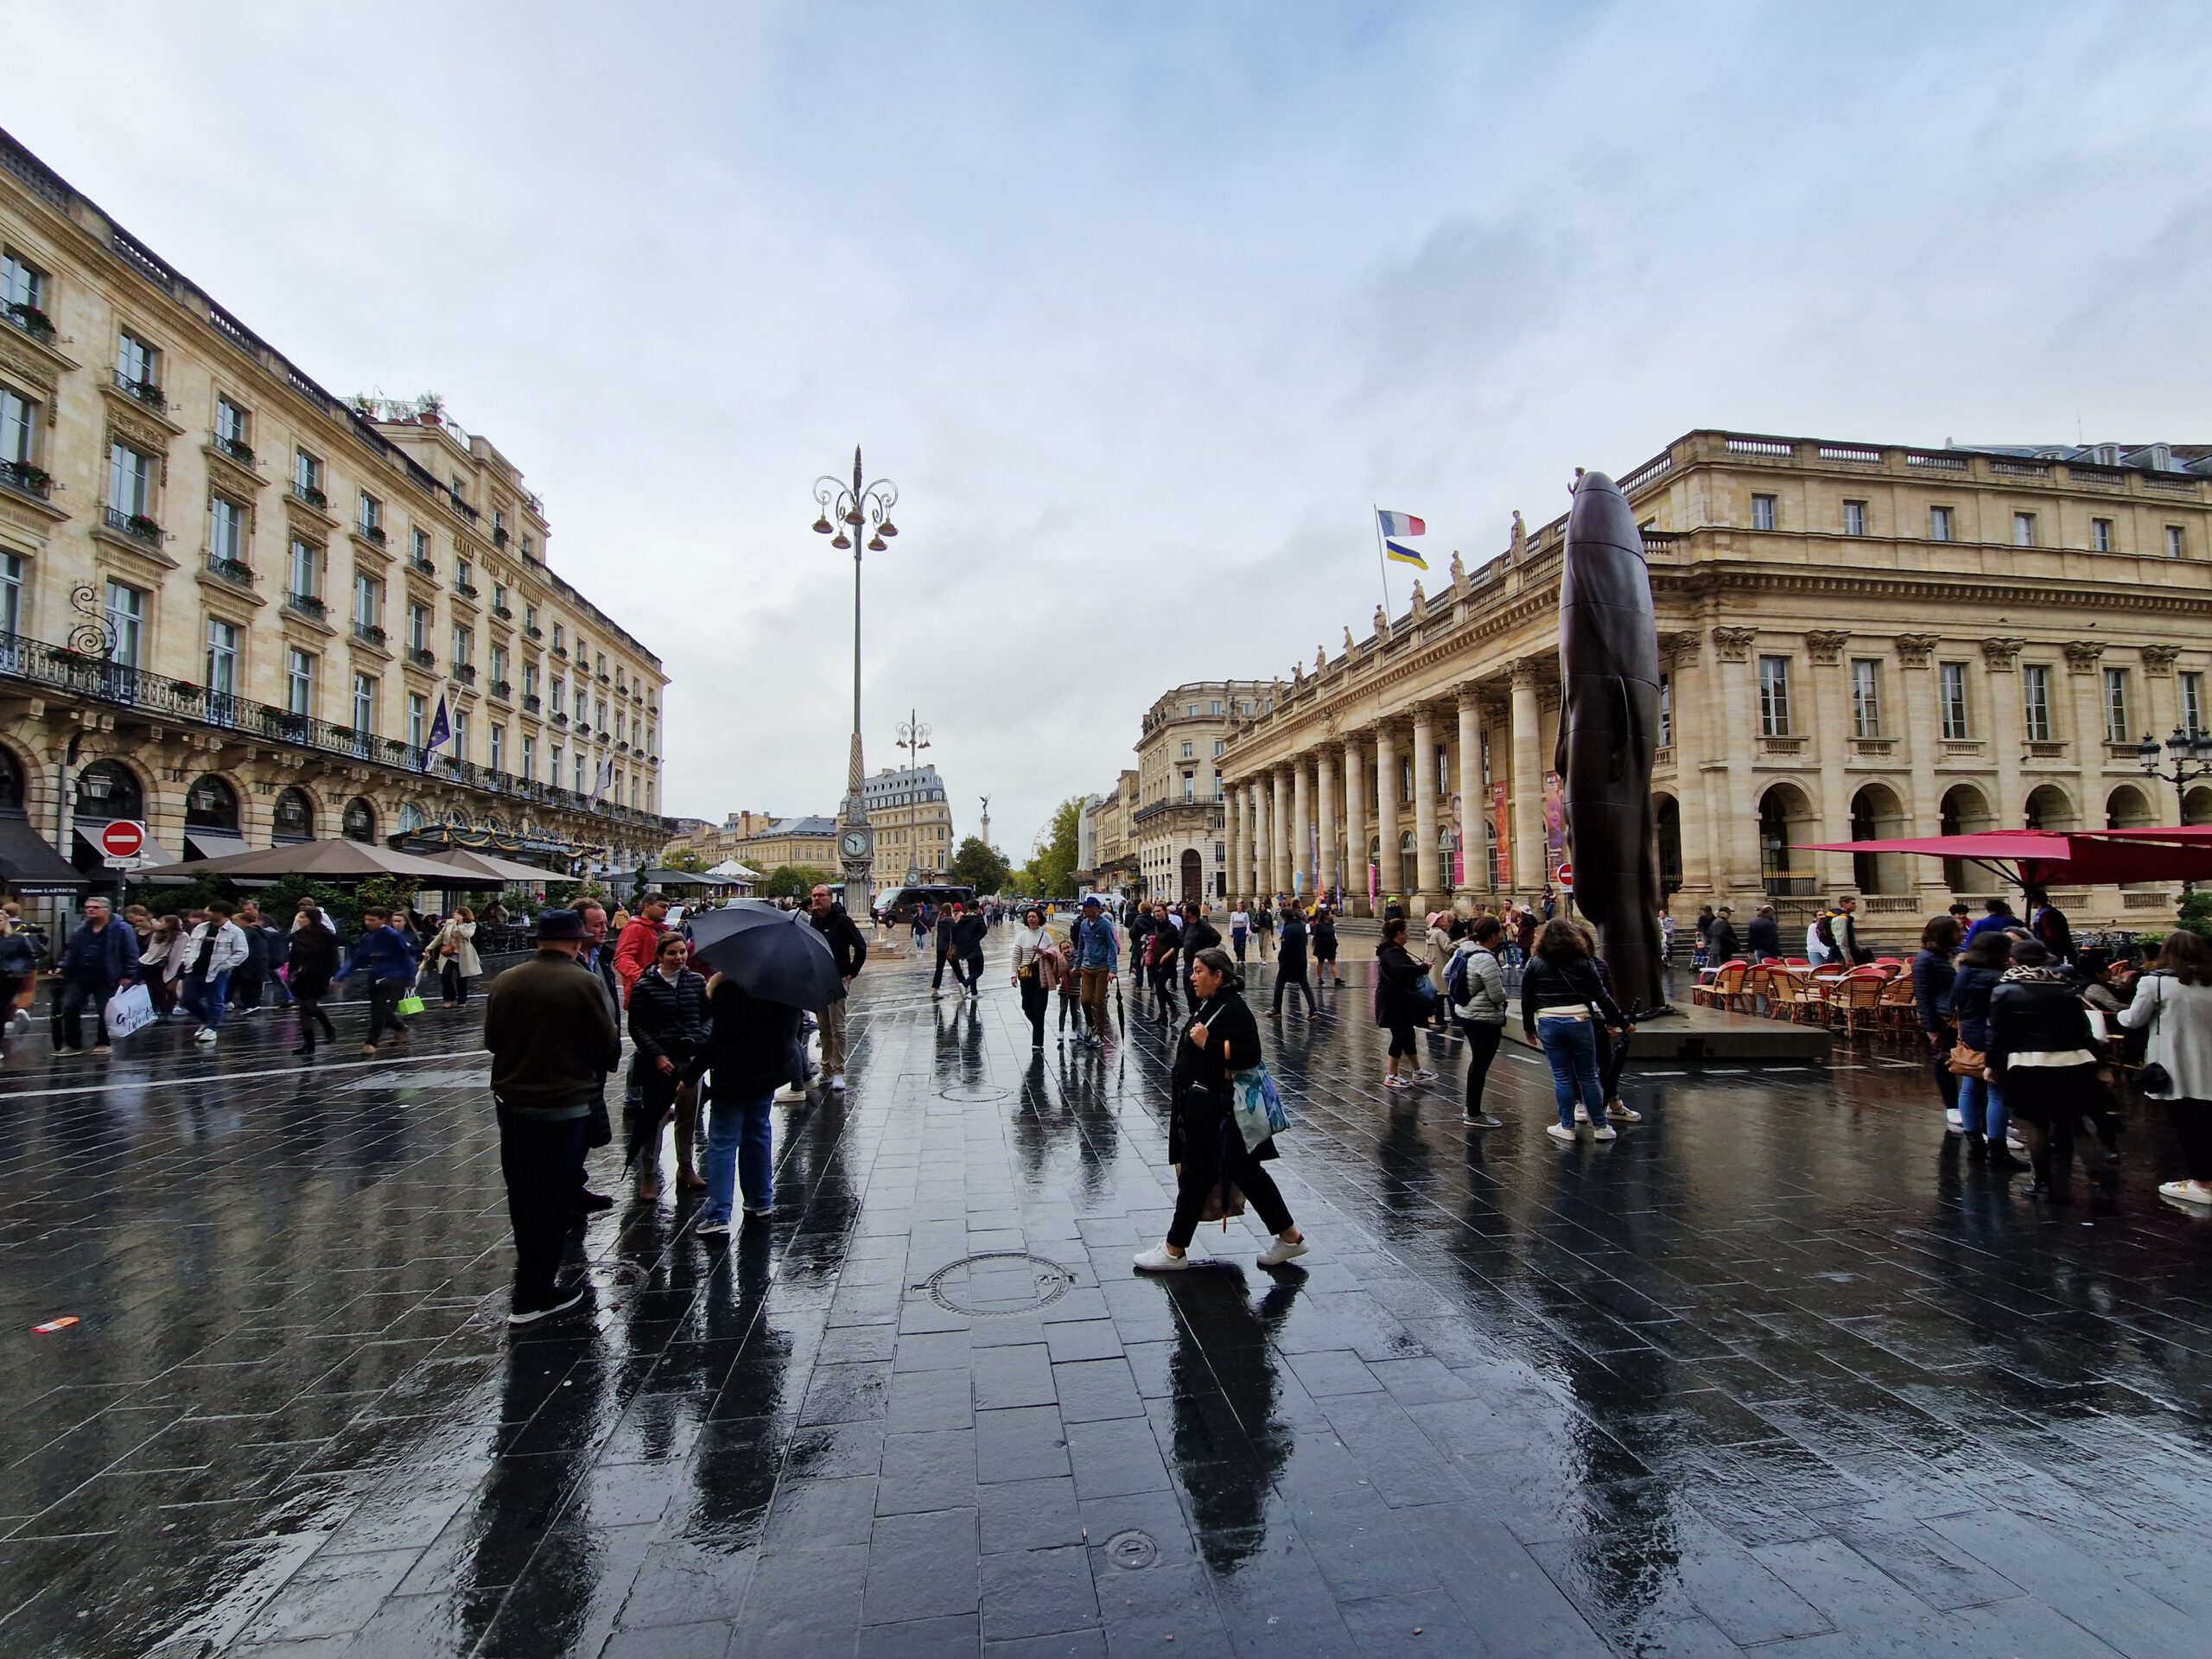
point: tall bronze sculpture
(1609, 733)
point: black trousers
(2051, 1100)
(1034, 999)
(1939, 1060)
(1209, 1157)
(1612, 1055)
(1402, 1043)
(450, 981)
(937, 979)
(1163, 984)
(1284, 981)
(245, 987)
(2192, 1120)
(384, 998)
(538, 1161)
(311, 1015)
(1482, 1049)
(69, 1000)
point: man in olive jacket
(552, 1041)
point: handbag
(129, 1010)
(1256, 1104)
(1223, 1199)
(409, 1004)
(2151, 1077)
(1422, 995)
(1968, 1062)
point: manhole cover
(973, 1092)
(998, 1282)
(1131, 1550)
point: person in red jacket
(634, 950)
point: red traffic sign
(124, 838)
(1565, 878)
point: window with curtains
(1865, 697)
(1774, 696)
(1952, 696)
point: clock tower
(856, 842)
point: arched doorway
(1877, 815)
(2196, 806)
(2126, 808)
(11, 782)
(2051, 808)
(295, 817)
(411, 818)
(108, 790)
(1193, 876)
(359, 821)
(1963, 812)
(1785, 824)
(1667, 814)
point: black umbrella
(775, 955)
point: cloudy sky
(1141, 305)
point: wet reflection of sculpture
(1609, 733)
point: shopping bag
(409, 1005)
(1256, 1104)
(129, 1010)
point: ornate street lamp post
(913, 737)
(862, 509)
(2192, 762)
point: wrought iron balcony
(466, 590)
(502, 689)
(465, 672)
(32, 321)
(237, 448)
(421, 657)
(422, 566)
(22, 475)
(306, 605)
(372, 533)
(136, 526)
(532, 702)
(144, 391)
(503, 612)
(235, 571)
(166, 702)
(369, 634)
(499, 537)
(308, 493)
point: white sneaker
(2187, 1192)
(1280, 1251)
(2018, 1149)
(1621, 1113)
(203, 1035)
(1559, 1132)
(1953, 1123)
(1424, 1075)
(1582, 1113)
(838, 1083)
(1159, 1259)
(1605, 1132)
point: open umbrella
(773, 954)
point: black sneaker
(565, 1298)
(1483, 1120)
(588, 1199)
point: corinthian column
(1235, 794)
(1527, 781)
(1262, 831)
(1473, 810)
(1278, 816)
(1356, 820)
(1325, 796)
(1386, 806)
(1425, 862)
(1301, 819)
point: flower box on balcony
(32, 321)
(314, 497)
(143, 528)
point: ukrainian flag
(1404, 555)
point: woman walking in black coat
(1399, 1005)
(1324, 946)
(1933, 977)
(1220, 1040)
(2041, 1051)
(1290, 960)
(668, 1022)
(312, 961)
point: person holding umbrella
(767, 968)
(668, 1022)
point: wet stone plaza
(1775, 1373)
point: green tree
(979, 866)
(683, 858)
(792, 881)
(1050, 872)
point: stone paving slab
(1775, 1373)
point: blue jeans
(1571, 1047)
(1981, 1108)
(204, 998)
(740, 1153)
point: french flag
(1401, 524)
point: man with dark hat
(552, 1041)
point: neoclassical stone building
(1858, 640)
(1178, 823)
(232, 604)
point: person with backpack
(1843, 929)
(1324, 941)
(1403, 996)
(1290, 959)
(2049, 925)
(1474, 988)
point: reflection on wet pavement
(1775, 1372)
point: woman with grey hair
(1220, 1039)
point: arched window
(1877, 815)
(2049, 807)
(108, 789)
(1785, 824)
(2196, 806)
(212, 803)
(2126, 808)
(294, 816)
(411, 818)
(359, 821)
(1962, 812)
(11, 782)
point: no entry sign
(123, 838)
(1567, 878)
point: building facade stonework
(912, 817)
(1178, 823)
(231, 603)
(1858, 641)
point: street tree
(793, 881)
(981, 866)
(1050, 871)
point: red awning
(2048, 858)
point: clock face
(855, 843)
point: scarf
(2036, 976)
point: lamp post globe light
(2191, 754)
(862, 516)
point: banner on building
(1555, 826)
(1501, 821)
(1458, 845)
